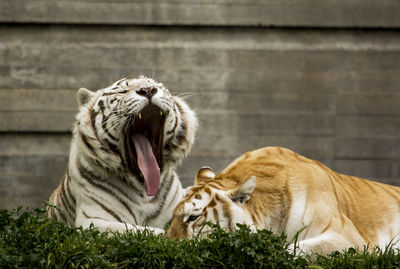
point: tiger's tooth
(161, 113)
(140, 116)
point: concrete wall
(319, 77)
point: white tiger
(127, 141)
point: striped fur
(275, 188)
(100, 186)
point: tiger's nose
(148, 92)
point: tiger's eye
(192, 218)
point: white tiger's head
(134, 126)
(215, 200)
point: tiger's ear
(243, 192)
(204, 173)
(83, 96)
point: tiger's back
(278, 189)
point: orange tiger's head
(215, 200)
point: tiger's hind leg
(340, 236)
(323, 244)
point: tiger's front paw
(157, 231)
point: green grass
(29, 240)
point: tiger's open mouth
(144, 147)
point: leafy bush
(27, 239)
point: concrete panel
(267, 103)
(329, 13)
(247, 125)
(382, 171)
(34, 121)
(369, 105)
(26, 190)
(300, 63)
(368, 127)
(38, 100)
(372, 149)
(33, 165)
(34, 144)
(220, 146)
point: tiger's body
(277, 189)
(127, 141)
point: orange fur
(293, 192)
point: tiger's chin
(144, 147)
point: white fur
(297, 211)
(390, 234)
(118, 112)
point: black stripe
(63, 217)
(89, 217)
(112, 147)
(65, 208)
(91, 177)
(161, 202)
(93, 114)
(104, 126)
(69, 190)
(175, 177)
(228, 214)
(50, 213)
(103, 123)
(132, 185)
(60, 212)
(112, 101)
(180, 137)
(109, 211)
(116, 92)
(87, 144)
(175, 125)
(130, 103)
(53, 213)
(101, 105)
(121, 80)
(69, 208)
(183, 131)
(86, 215)
(95, 179)
(108, 93)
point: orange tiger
(277, 189)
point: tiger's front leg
(107, 225)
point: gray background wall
(319, 77)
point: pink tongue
(147, 164)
